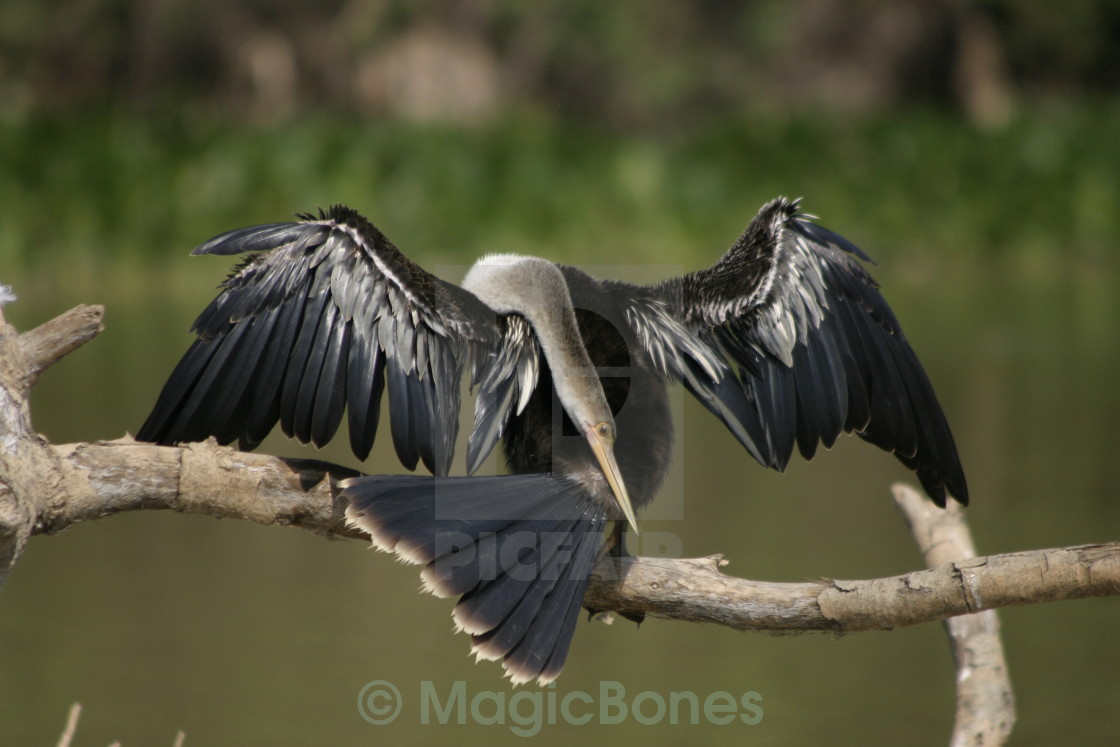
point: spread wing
(787, 340)
(316, 322)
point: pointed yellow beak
(603, 446)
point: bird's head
(601, 436)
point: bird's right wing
(315, 322)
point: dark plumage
(785, 339)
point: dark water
(240, 634)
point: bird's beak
(604, 452)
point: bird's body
(786, 339)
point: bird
(786, 339)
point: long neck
(536, 289)
(574, 376)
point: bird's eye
(603, 429)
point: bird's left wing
(316, 321)
(787, 340)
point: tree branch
(218, 481)
(202, 478)
(31, 475)
(52, 340)
(985, 703)
(45, 488)
(695, 590)
(71, 725)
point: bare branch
(45, 488)
(71, 725)
(695, 590)
(49, 342)
(202, 478)
(31, 476)
(985, 703)
(218, 481)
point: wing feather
(804, 348)
(311, 325)
(509, 377)
(365, 381)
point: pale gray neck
(536, 289)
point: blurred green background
(970, 148)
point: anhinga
(786, 339)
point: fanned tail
(518, 550)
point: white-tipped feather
(464, 624)
(384, 542)
(433, 585)
(482, 652)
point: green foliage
(111, 189)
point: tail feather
(537, 568)
(519, 549)
(533, 638)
